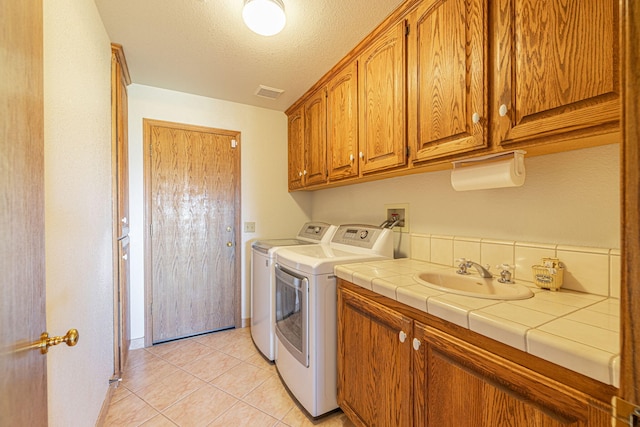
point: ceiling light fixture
(265, 17)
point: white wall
(265, 199)
(79, 275)
(569, 198)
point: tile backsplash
(590, 270)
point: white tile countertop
(578, 331)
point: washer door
(292, 313)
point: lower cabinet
(397, 371)
(374, 362)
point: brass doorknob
(71, 338)
(229, 244)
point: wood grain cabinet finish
(342, 124)
(441, 80)
(459, 384)
(447, 61)
(381, 80)
(374, 363)
(296, 149)
(436, 379)
(556, 70)
(315, 138)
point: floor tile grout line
(239, 351)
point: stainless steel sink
(473, 286)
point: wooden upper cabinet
(381, 80)
(296, 149)
(342, 124)
(315, 139)
(556, 69)
(447, 78)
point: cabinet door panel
(447, 59)
(374, 367)
(315, 139)
(557, 69)
(342, 124)
(381, 79)
(296, 149)
(464, 385)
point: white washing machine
(306, 317)
(262, 281)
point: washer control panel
(363, 236)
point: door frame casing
(630, 229)
(148, 264)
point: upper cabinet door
(381, 79)
(342, 124)
(556, 69)
(296, 149)
(315, 139)
(447, 78)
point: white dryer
(306, 317)
(262, 281)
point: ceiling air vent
(268, 92)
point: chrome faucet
(464, 264)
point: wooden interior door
(193, 210)
(120, 198)
(23, 373)
(629, 393)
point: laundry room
(401, 212)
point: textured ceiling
(202, 47)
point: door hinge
(625, 414)
(234, 143)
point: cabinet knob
(351, 158)
(416, 344)
(361, 155)
(402, 336)
(125, 257)
(502, 110)
(300, 173)
(124, 220)
(304, 172)
(475, 118)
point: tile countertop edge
(580, 357)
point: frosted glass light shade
(265, 17)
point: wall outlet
(398, 210)
(249, 227)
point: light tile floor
(218, 379)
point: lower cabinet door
(374, 362)
(458, 384)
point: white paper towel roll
(496, 174)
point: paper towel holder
(518, 155)
(497, 170)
